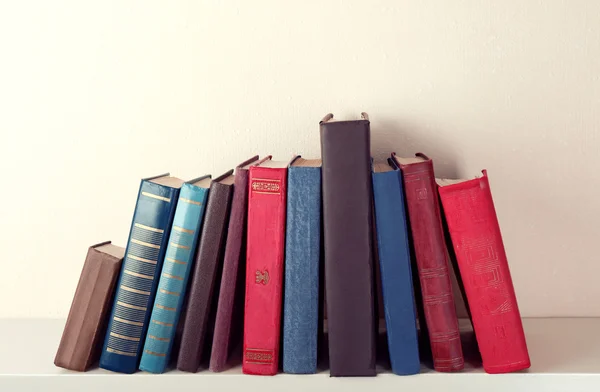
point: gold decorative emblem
(262, 277)
(262, 185)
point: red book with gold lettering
(264, 267)
(481, 258)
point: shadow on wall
(406, 140)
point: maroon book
(432, 262)
(229, 319)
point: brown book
(348, 243)
(201, 307)
(81, 341)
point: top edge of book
(273, 164)
(301, 162)
(112, 250)
(453, 181)
(330, 119)
(382, 167)
(166, 180)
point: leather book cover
(82, 337)
(348, 242)
(229, 319)
(177, 265)
(432, 262)
(136, 288)
(302, 267)
(264, 267)
(206, 275)
(395, 269)
(481, 257)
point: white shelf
(565, 356)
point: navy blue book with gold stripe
(136, 288)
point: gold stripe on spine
(138, 275)
(149, 245)
(172, 276)
(180, 246)
(161, 323)
(121, 320)
(177, 228)
(176, 261)
(183, 199)
(267, 193)
(131, 306)
(157, 197)
(135, 290)
(154, 229)
(112, 350)
(157, 338)
(169, 292)
(116, 335)
(265, 179)
(141, 259)
(165, 308)
(155, 353)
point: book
(432, 262)
(176, 268)
(136, 288)
(206, 275)
(81, 342)
(395, 269)
(348, 246)
(302, 266)
(477, 243)
(264, 267)
(229, 318)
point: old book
(136, 289)
(477, 244)
(432, 262)
(173, 281)
(302, 265)
(82, 337)
(395, 267)
(264, 267)
(348, 242)
(230, 307)
(206, 275)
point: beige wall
(94, 97)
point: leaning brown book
(82, 337)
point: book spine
(396, 274)
(231, 293)
(348, 243)
(432, 265)
(136, 288)
(302, 259)
(481, 257)
(264, 270)
(206, 277)
(173, 278)
(88, 316)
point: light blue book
(174, 275)
(302, 265)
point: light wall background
(96, 95)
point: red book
(432, 262)
(264, 267)
(477, 242)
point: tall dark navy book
(394, 262)
(302, 264)
(136, 288)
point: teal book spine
(136, 287)
(173, 278)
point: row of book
(253, 257)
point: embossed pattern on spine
(432, 265)
(137, 284)
(173, 280)
(264, 270)
(481, 257)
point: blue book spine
(173, 279)
(396, 275)
(136, 287)
(302, 260)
